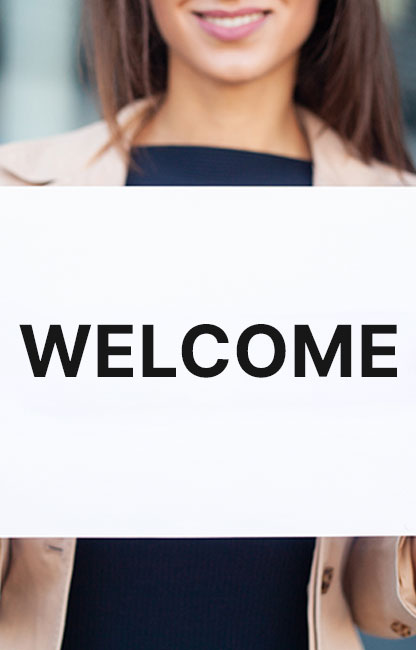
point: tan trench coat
(368, 582)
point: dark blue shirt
(179, 165)
(194, 594)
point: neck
(258, 115)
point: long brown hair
(347, 75)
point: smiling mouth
(232, 19)
(231, 25)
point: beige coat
(366, 581)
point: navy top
(180, 165)
(194, 594)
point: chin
(236, 73)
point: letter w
(40, 364)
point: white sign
(242, 428)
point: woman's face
(235, 40)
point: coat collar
(71, 159)
(110, 168)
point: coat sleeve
(380, 585)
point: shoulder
(41, 162)
(337, 164)
(78, 157)
(378, 174)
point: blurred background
(41, 91)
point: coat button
(327, 576)
(401, 629)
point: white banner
(242, 428)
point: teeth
(236, 21)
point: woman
(215, 92)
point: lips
(231, 25)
